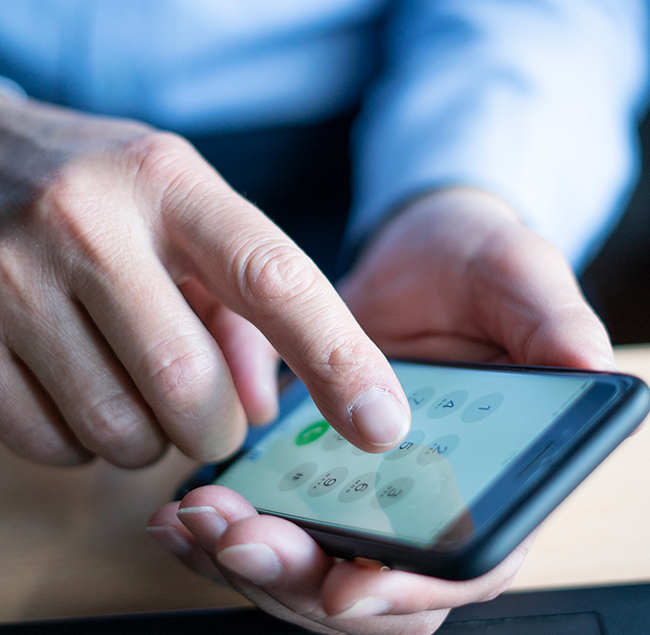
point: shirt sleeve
(536, 101)
(11, 89)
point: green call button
(312, 432)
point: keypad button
(420, 397)
(327, 481)
(442, 446)
(312, 432)
(298, 476)
(333, 440)
(359, 487)
(410, 444)
(482, 407)
(447, 404)
(394, 492)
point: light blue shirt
(534, 100)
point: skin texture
(455, 275)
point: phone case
(515, 520)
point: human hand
(457, 276)
(138, 297)
(274, 563)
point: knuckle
(174, 180)
(57, 183)
(342, 361)
(17, 288)
(70, 196)
(158, 145)
(194, 398)
(274, 274)
(159, 160)
(71, 219)
(346, 353)
(84, 203)
(184, 375)
(119, 431)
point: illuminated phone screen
(468, 425)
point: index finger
(258, 272)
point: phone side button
(540, 458)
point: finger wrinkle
(183, 368)
(276, 273)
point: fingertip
(607, 363)
(163, 515)
(228, 503)
(587, 355)
(205, 523)
(172, 539)
(253, 364)
(222, 440)
(269, 550)
(259, 388)
(262, 407)
(165, 529)
(573, 338)
(256, 562)
(379, 419)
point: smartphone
(491, 452)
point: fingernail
(253, 561)
(171, 539)
(365, 607)
(206, 523)
(379, 418)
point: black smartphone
(491, 452)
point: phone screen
(468, 426)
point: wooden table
(72, 542)
(601, 533)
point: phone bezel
(526, 497)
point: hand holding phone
(450, 278)
(286, 572)
(491, 451)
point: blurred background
(617, 283)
